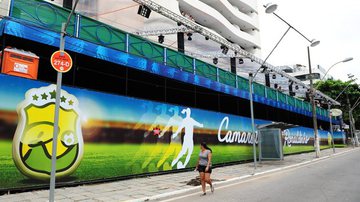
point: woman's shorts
(202, 169)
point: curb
(164, 195)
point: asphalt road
(333, 179)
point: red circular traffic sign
(61, 61)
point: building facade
(300, 72)
(234, 20)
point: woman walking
(204, 167)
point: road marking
(247, 178)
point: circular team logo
(32, 143)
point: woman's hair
(205, 146)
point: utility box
(270, 145)
(20, 63)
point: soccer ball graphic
(180, 165)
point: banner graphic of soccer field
(105, 136)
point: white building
(234, 20)
(300, 72)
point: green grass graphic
(102, 161)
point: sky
(335, 23)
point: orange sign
(61, 61)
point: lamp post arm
(356, 104)
(69, 16)
(344, 89)
(292, 27)
(251, 79)
(330, 69)
(342, 92)
(267, 57)
(327, 73)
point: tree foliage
(334, 87)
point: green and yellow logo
(32, 144)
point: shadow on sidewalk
(196, 181)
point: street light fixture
(314, 42)
(350, 76)
(270, 8)
(342, 61)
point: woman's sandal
(203, 194)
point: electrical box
(20, 63)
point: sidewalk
(157, 187)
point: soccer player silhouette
(188, 124)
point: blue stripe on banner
(31, 32)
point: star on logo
(35, 97)
(63, 99)
(44, 96)
(53, 94)
(71, 102)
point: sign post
(62, 63)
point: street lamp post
(251, 79)
(350, 109)
(331, 127)
(312, 100)
(329, 105)
(330, 114)
(329, 109)
(270, 8)
(350, 121)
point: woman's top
(204, 157)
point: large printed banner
(108, 136)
